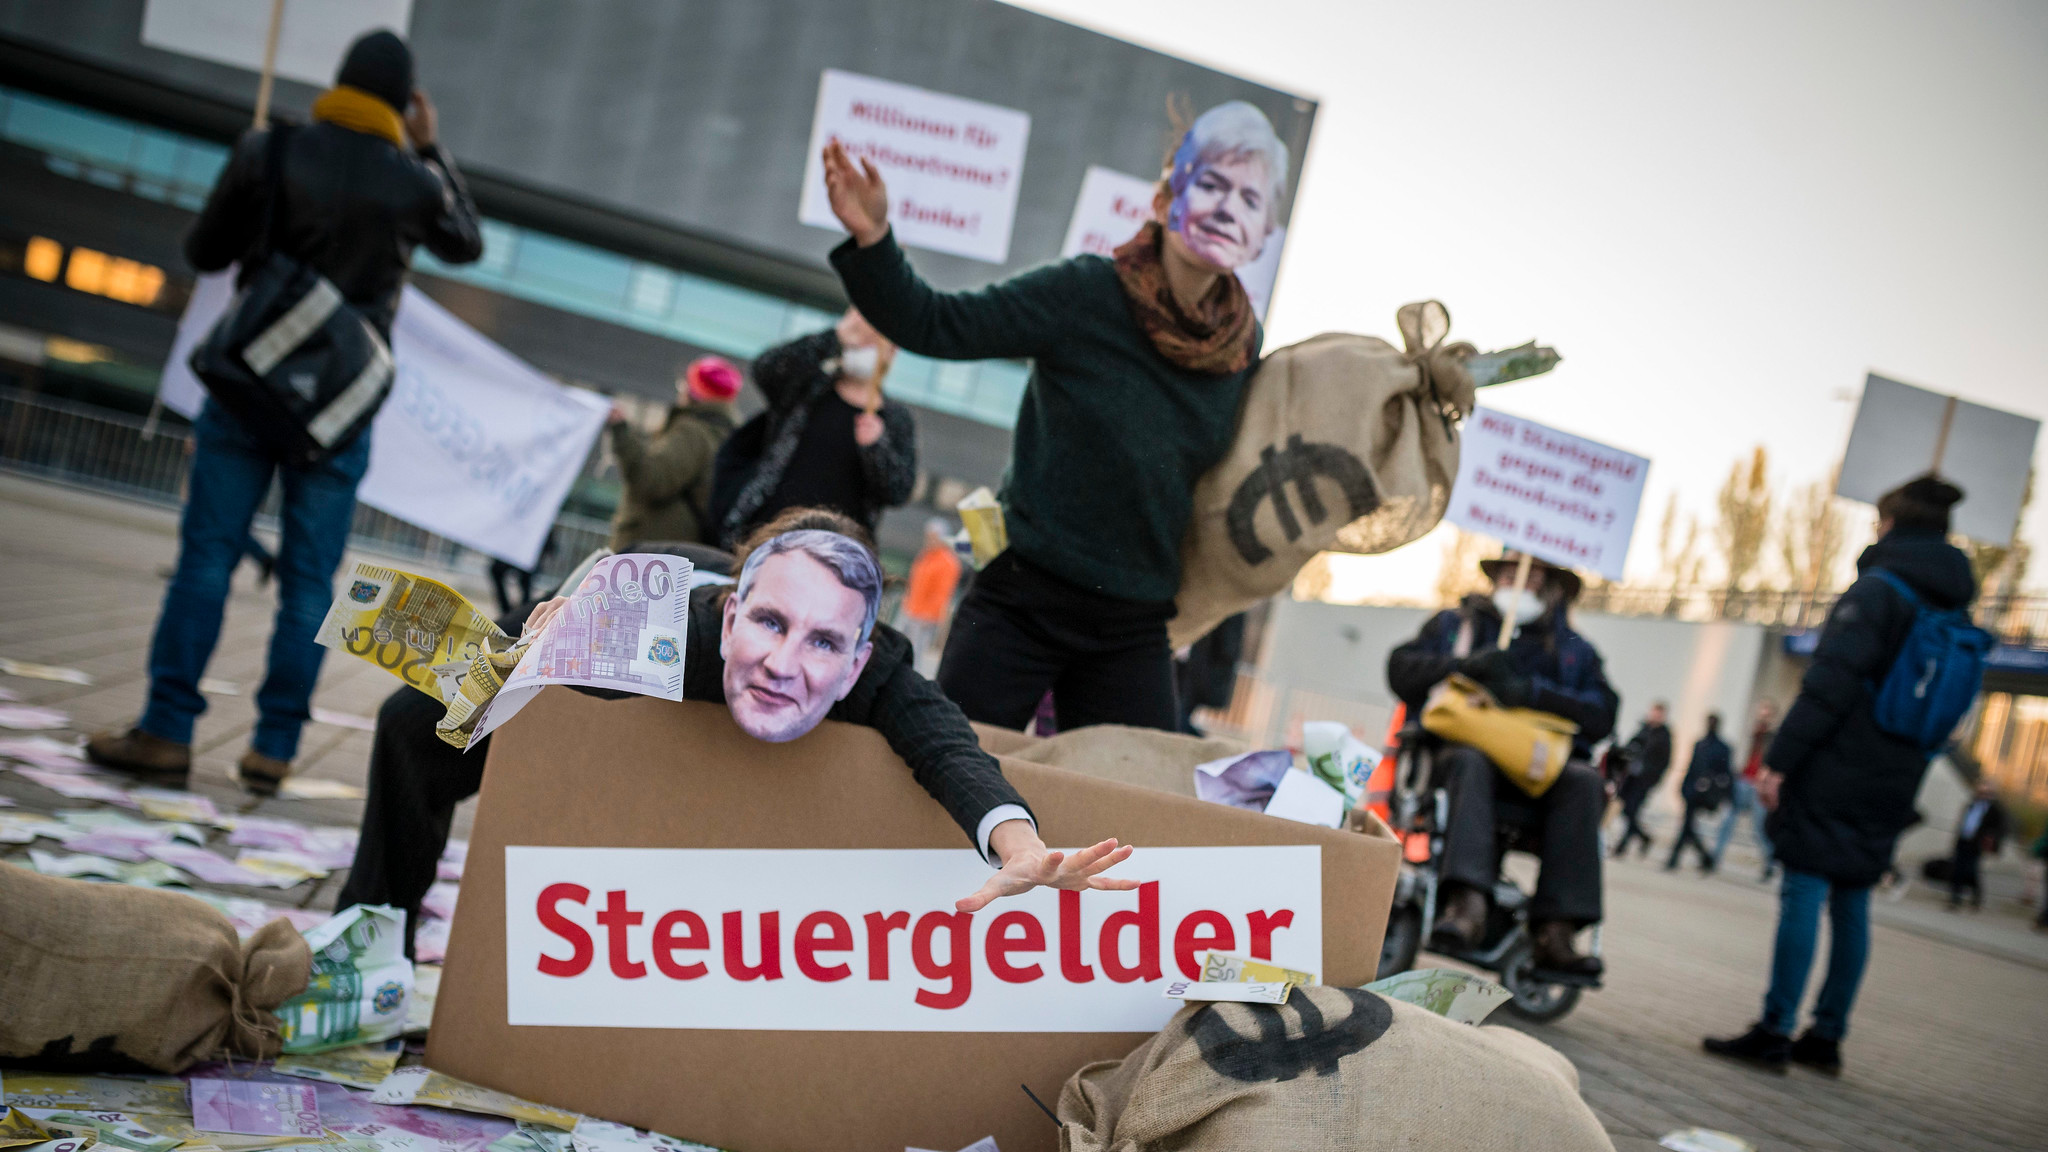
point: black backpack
(296, 364)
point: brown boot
(1554, 951)
(262, 775)
(1461, 922)
(143, 756)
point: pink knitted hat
(712, 378)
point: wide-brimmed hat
(1503, 567)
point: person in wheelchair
(1549, 667)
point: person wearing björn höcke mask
(1546, 666)
(1138, 367)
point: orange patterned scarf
(1216, 341)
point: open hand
(1027, 865)
(867, 429)
(857, 194)
(1767, 785)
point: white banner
(868, 940)
(310, 39)
(953, 165)
(1559, 497)
(1902, 432)
(1112, 207)
(473, 444)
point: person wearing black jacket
(1708, 780)
(1549, 667)
(416, 779)
(1648, 756)
(1840, 788)
(359, 189)
(1980, 829)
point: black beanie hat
(1921, 503)
(379, 63)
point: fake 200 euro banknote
(419, 630)
(1228, 968)
(625, 628)
(1457, 996)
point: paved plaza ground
(1947, 1050)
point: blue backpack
(1935, 677)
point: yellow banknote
(406, 624)
(1232, 969)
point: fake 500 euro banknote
(625, 628)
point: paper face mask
(1224, 178)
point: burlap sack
(1345, 443)
(110, 977)
(1332, 1070)
(1146, 757)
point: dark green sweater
(1111, 436)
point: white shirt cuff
(997, 815)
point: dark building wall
(697, 113)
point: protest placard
(473, 443)
(1902, 432)
(1559, 497)
(953, 165)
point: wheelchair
(1418, 809)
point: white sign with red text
(1112, 207)
(953, 165)
(1559, 497)
(867, 940)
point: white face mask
(1527, 606)
(861, 363)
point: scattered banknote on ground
(249, 915)
(426, 988)
(106, 1129)
(361, 981)
(78, 787)
(32, 717)
(592, 1135)
(420, 1085)
(47, 753)
(318, 788)
(985, 1144)
(44, 672)
(1705, 1140)
(358, 1066)
(407, 624)
(215, 686)
(1227, 967)
(344, 719)
(625, 628)
(1242, 991)
(214, 869)
(25, 827)
(131, 1094)
(146, 874)
(285, 866)
(1457, 996)
(176, 804)
(331, 846)
(17, 1129)
(197, 1141)
(255, 1108)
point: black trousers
(1964, 872)
(1567, 817)
(416, 781)
(1021, 631)
(1689, 833)
(1632, 800)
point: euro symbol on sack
(1300, 463)
(1271, 1055)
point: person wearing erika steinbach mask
(793, 643)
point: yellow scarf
(358, 111)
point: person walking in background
(933, 577)
(1743, 797)
(360, 188)
(1138, 367)
(2040, 852)
(667, 476)
(1840, 788)
(1708, 779)
(1980, 831)
(829, 439)
(1648, 756)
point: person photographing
(1138, 367)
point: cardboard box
(575, 771)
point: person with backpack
(667, 477)
(349, 196)
(829, 439)
(1897, 665)
(1708, 780)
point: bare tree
(1811, 537)
(1458, 573)
(1744, 523)
(1678, 554)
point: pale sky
(1722, 214)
